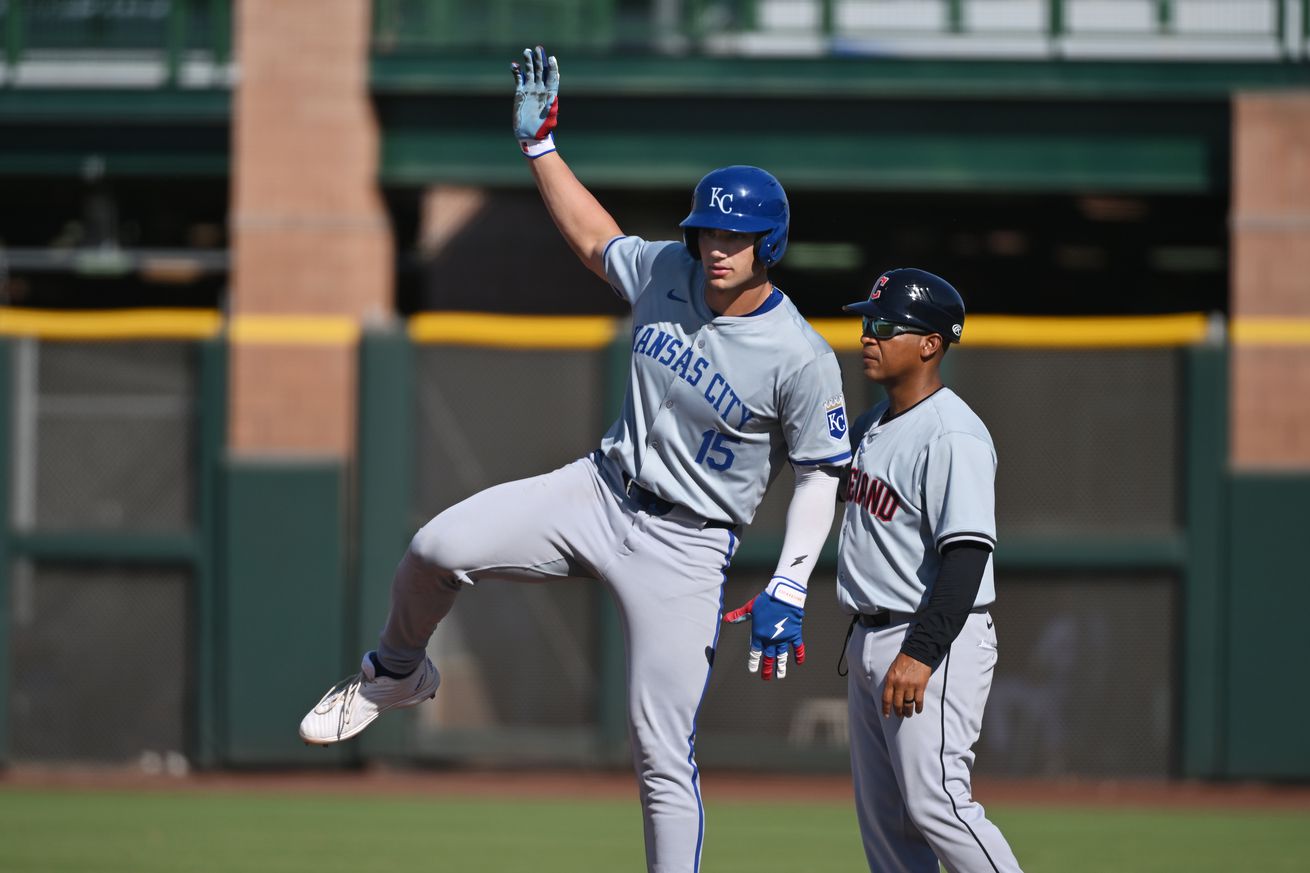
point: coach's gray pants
(666, 574)
(912, 792)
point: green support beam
(383, 503)
(1203, 657)
(285, 605)
(210, 635)
(180, 548)
(14, 33)
(1267, 646)
(1164, 16)
(6, 558)
(955, 16)
(612, 686)
(175, 50)
(386, 411)
(220, 35)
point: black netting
(99, 662)
(1087, 440)
(1086, 683)
(517, 655)
(111, 446)
(486, 416)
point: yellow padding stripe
(295, 330)
(1038, 331)
(119, 324)
(1284, 331)
(513, 331)
(593, 332)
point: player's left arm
(776, 614)
(813, 418)
(940, 622)
(959, 472)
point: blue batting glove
(776, 615)
(536, 101)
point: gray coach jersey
(717, 404)
(922, 480)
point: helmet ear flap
(770, 245)
(691, 239)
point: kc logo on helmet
(721, 201)
(957, 329)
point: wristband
(787, 591)
(535, 148)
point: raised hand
(536, 98)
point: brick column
(311, 243)
(1270, 376)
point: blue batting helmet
(742, 199)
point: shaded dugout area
(495, 249)
(1060, 254)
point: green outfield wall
(1141, 558)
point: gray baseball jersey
(920, 481)
(717, 404)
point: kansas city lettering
(876, 496)
(666, 349)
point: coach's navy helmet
(742, 199)
(915, 298)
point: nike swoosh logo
(673, 296)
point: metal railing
(167, 32)
(1264, 29)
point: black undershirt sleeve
(953, 594)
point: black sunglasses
(881, 328)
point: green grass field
(63, 831)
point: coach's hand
(775, 633)
(905, 686)
(536, 101)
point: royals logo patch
(836, 411)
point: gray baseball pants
(912, 793)
(666, 573)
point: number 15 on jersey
(714, 451)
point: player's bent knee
(434, 551)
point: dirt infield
(727, 785)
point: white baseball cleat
(353, 703)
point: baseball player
(727, 383)
(914, 568)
